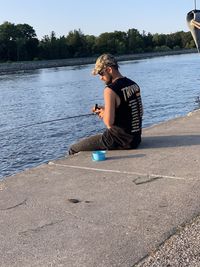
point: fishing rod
(49, 121)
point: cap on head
(105, 60)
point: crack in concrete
(145, 180)
(39, 228)
(17, 205)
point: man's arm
(109, 109)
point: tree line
(19, 42)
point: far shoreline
(41, 64)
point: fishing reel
(96, 107)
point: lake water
(169, 87)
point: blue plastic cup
(98, 155)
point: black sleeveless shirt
(127, 127)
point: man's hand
(98, 110)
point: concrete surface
(181, 249)
(76, 212)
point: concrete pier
(75, 212)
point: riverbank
(32, 65)
(77, 212)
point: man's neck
(117, 76)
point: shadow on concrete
(169, 141)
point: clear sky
(95, 17)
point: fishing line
(49, 121)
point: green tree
(26, 42)
(158, 39)
(76, 42)
(186, 40)
(119, 40)
(47, 47)
(63, 50)
(90, 44)
(7, 41)
(148, 41)
(25, 31)
(135, 42)
(51, 47)
(17, 42)
(114, 42)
